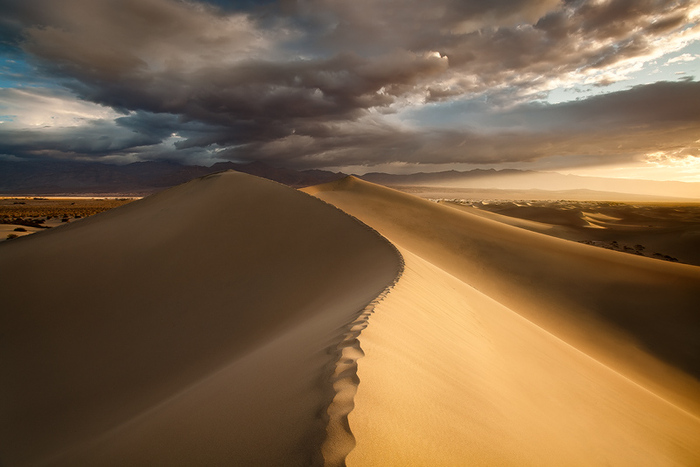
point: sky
(601, 87)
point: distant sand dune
(194, 327)
(501, 346)
(656, 230)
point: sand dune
(221, 322)
(452, 377)
(501, 346)
(198, 326)
(662, 230)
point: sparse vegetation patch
(36, 211)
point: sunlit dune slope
(503, 346)
(193, 327)
(659, 229)
(452, 377)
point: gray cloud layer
(316, 82)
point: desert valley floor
(236, 321)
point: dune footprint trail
(339, 440)
(194, 327)
(504, 347)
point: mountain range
(513, 179)
(138, 178)
(142, 178)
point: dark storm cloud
(139, 136)
(93, 140)
(653, 105)
(368, 26)
(615, 127)
(307, 82)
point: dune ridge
(500, 346)
(339, 440)
(196, 326)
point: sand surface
(669, 231)
(198, 326)
(500, 346)
(228, 321)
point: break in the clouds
(330, 83)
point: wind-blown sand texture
(500, 346)
(199, 326)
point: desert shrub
(20, 229)
(665, 257)
(11, 236)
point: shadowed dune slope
(192, 327)
(634, 317)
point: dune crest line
(340, 441)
